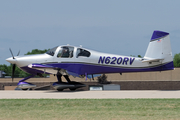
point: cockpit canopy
(65, 52)
(68, 52)
(52, 51)
(83, 53)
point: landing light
(30, 66)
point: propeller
(11, 53)
(13, 65)
(18, 53)
(13, 71)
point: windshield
(51, 51)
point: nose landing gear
(25, 85)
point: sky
(121, 27)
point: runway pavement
(123, 94)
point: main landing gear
(60, 86)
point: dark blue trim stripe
(158, 34)
(83, 68)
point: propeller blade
(18, 53)
(11, 53)
(13, 70)
(13, 65)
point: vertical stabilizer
(160, 48)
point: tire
(72, 89)
(25, 89)
(59, 89)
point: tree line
(19, 73)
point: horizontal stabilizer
(152, 60)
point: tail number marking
(115, 60)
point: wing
(52, 70)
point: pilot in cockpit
(65, 52)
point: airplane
(80, 62)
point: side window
(82, 53)
(65, 52)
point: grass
(89, 109)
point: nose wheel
(25, 85)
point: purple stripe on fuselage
(82, 68)
(158, 34)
